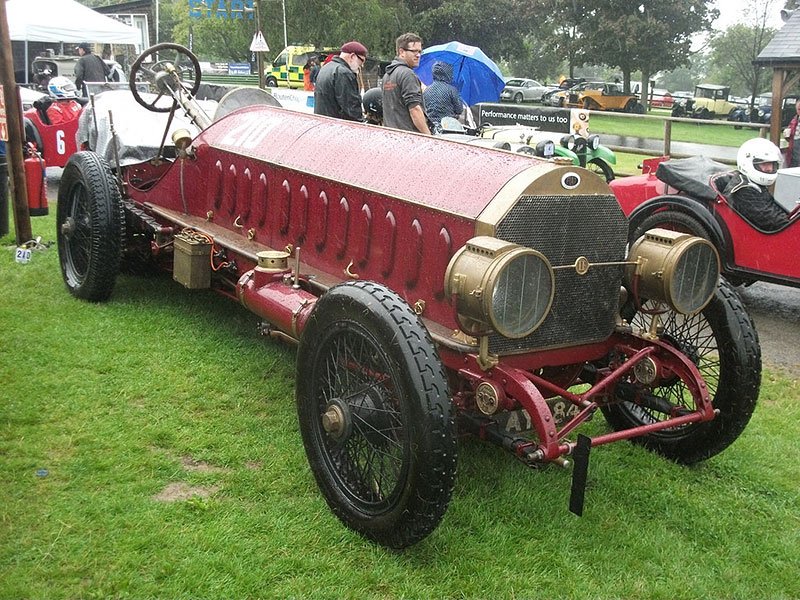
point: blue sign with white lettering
(221, 9)
(238, 68)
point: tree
(644, 35)
(734, 50)
(562, 31)
(499, 28)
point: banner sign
(221, 9)
(561, 120)
(239, 68)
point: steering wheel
(166, 76)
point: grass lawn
(149, 448)
(702, 131)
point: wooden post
(260, 55)
(777, 103)
(22, 216)
(667, 137)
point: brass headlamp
(499, 286)
(679, 269)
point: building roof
(784, 48)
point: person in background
(402, 90)
(441, 98)
(314, 70)
(336, 91)
(307, 84)
(89, 67)
(373, 106)
(746, 188)
(792, 133)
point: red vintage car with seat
(672, 196)
(50, 124)
(432, 287)
(690, 202)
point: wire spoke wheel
(370, 459)
(721, 341)
(375, 414)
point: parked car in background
(607, 96)
(523, 90)
(46, 67)
(561, 97)
(597, 95)
(681, 96)
(763, 113)
(709, 101)
(661, 98)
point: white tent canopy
(65, 21)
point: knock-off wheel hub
(336, 419)
(68, 227)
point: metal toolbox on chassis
(192, 266)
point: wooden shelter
(783, 55)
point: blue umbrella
(474, 74)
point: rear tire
(89, 227)
(375, 414)
(723, 343)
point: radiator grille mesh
(564, 228)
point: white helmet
(758, 159)
(61, 87)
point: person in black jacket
(746, 188)
(89, 67)
(336, 92)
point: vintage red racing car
(431, 286)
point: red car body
(747, 253)
(52, 128)
(661, 100)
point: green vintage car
(585, 152)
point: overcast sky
(731, 11)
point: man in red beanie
(336, 93)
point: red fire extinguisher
(36, 182)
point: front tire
(90, 227)
(723, 343)
(670, 219)
(375, 414)
(518, 98)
